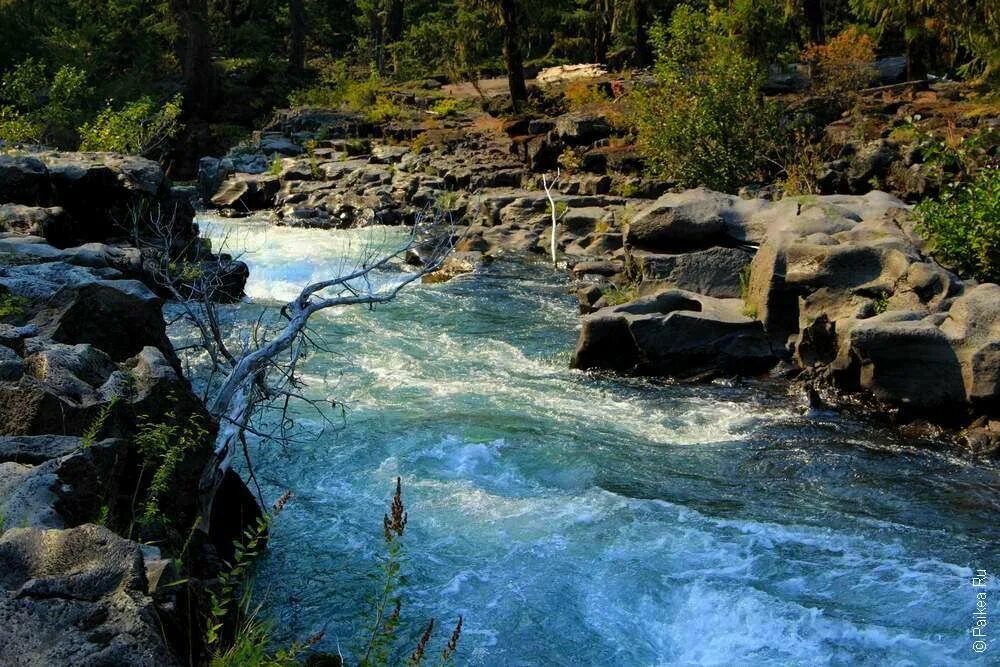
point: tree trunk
(196, 54)
(394, 21)
(816, 20)
(512, 54)
(640, 18)
(603, 22)
(297, 48)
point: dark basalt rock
(76, 597)
(675, 333)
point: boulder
(456, 264)
(714, 272)
(211, 174)
(851, 246)
(120, 317)
(973, 329)
(250, 192)
(578, 129)
(907, 362)
(675, 333)
(272, 144)
(697, 219)
(76, 597)
(52, 223)
(96, 192)
(891, 70)
(870, 165)
(35, 449)
(384, 154)
(24, 180)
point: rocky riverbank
(835, 291)
(103, 440)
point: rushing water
(577, 520)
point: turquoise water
(583, 520)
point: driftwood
(247, 384)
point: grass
(881, 304)
(616, 295)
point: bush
(584, 95)
(704, 122)
(447, 107)
(843, 65)
(139, 128)
(38, 109)
(962, 227)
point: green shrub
(38, 109)
(140, 128)
(164, 447)
(704, 121)
(383, 109)
(963, 227)
(446, 107)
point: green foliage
(446, 107)
(881, 304)
(380, 636)
(569, 161)
(232, 578)
(35, 107)
(761, 28)
(944, 33)
(252, 639)
(384, 109)
(310, 147)
(141, 128)
(962, 226)
(704, 122)
(92, 431)
(163, 446)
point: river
(574, 519)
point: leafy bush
(447, 107)
(383, 109)
(962, 227)
(39, 109)
(844, 64)
(139, 128)
(704, 122)
(761, 28)
(583, 95)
